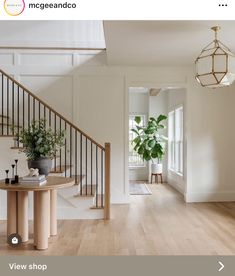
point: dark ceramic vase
(43, 164)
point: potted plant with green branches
(149, 143)
(40, 145)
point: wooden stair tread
(9, 125)
(99, 202)
(88, 191)
(4, 116)
(61, 169)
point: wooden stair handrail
(51, 109)
(107, 181)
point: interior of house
(142, 114)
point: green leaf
(134, 130)
(146, 155)
(161, 118)
(150, 130)
(137, 140)
(151, 143)
(137, 119)
(141, 150)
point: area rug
(139, 189)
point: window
(134, 159)
(175, 140)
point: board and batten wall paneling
(100, 112)
(57, 91)
(6, 58)
(46, 59)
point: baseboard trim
(177, 186)
(210, 197)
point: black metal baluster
(49, 118)
(44, 115)
(65, 149)
(33, 109)
(86, 165)
(91, 168)
(70, 151)
(102, 178)
(60, 148)
(55, 158)
(76, 157)
(18, 113)
(28, 110)
(7, 106)
(13, 108)
(2, 100)
(81, 164)
(39, 110)
(23, 107)
(96, 163)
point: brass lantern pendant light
(215, 66)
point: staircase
(81, 158)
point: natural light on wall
(135, 160)
(175, 140)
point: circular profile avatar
(14, 7)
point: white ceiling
(153, 43)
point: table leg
(53, 217)
(151, 178)
(11, 213)
(42, 202)
(23, 222)
(35, 218)
(49, 215)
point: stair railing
(82, 157)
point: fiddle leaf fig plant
(39, 141)
(149, 143)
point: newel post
(107, 182)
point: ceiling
(133, 43)
(152, 43)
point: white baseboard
(210, 197)
(177, 186)
(120, 199)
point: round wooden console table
(45, 203)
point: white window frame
(176, 140)
(143, 164)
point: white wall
(65, 33)
(211, 146)
(139, 105)
(100, 105)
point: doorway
(147, 102)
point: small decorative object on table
(16, 174)
(33, 172)
(34, 177)
(13, 174)
(7, 180)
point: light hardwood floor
(158, 224)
